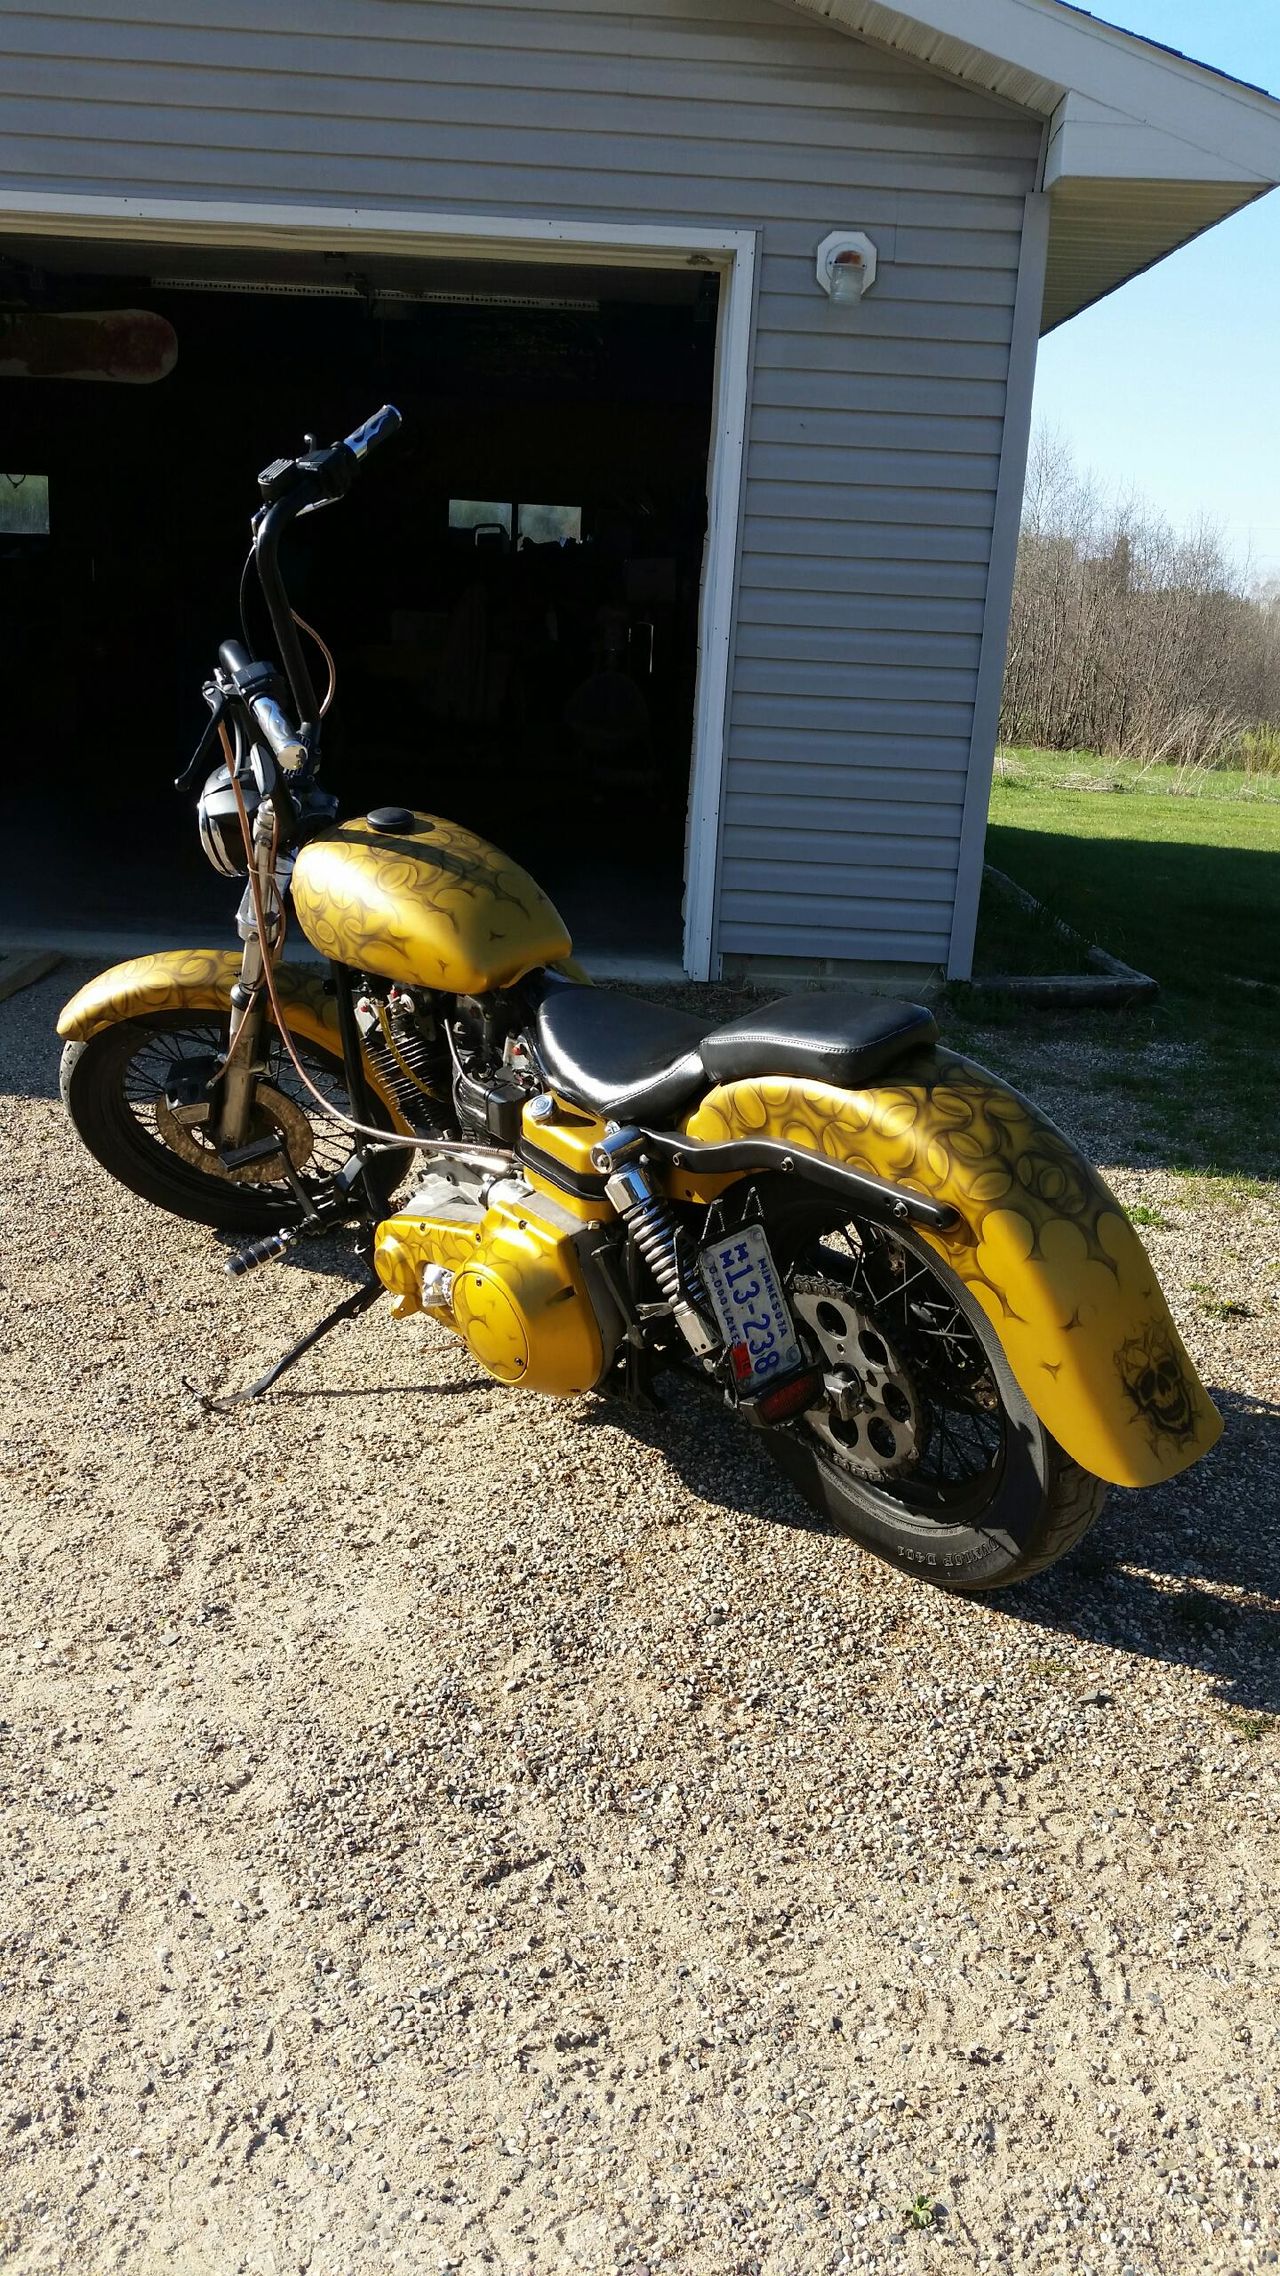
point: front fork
(236, 1088)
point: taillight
(784, 1400)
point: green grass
(1216, 1307)
(1092, 774)
(1185, 887)
(1247, 1726)
(921, 2213)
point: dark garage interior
(511, 592)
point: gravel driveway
(445, 1830)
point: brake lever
(217, 703)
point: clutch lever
(217, 702)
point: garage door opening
(511, 593)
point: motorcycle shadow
(1186, 1575)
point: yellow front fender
(201, 979)
(1039, 1241)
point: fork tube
(248, 1006)
(239, 1081)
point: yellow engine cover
(430, 904)
(518, 1301)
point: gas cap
(395, 818)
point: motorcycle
(884, 1261)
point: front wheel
(923, 1447)
(115, 1088)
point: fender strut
(870, 1197)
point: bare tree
(1131, 637)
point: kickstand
(350, 1308)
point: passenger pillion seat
(631, 1061)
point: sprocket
(872, 1417)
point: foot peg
(266, 1251)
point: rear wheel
(922, 1447)
(116, 1086)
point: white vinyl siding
(874, 436)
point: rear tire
(1025, 1503)
(106, 1086)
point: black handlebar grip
(379, 429)
(233, 658)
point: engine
(405, 1050)
(513, 1274)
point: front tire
(955, 1480)
(113, 1084)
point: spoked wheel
(124, 1092)
(923, 1446)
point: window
(551, 525)
(494, 519)
(24, 505)
(486, 514)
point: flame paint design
(193, 979)
(201, 980)
(1041, 1242)
(432, 904)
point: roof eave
(1145, 150)
(1103, 234)
(1042, 53)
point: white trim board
(717, 610)
(729, 252)
(310, 227)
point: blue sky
(1172, 386)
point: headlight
(219, 819)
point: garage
(512, 601)
(714, 324)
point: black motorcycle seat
(841, 1036)
(625, 1059)
(632, 1061)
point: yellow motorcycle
(884, 1260)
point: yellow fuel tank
(428, 903)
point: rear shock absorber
(651, 1223)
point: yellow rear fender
(201, 980)
(1038, 1239)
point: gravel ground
(445, 1831)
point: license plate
(742, 1282)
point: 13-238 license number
(742, 1282)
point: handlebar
(257, 683)
(288, 487)
(378, 429)
(293, 486)
(323, 473)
